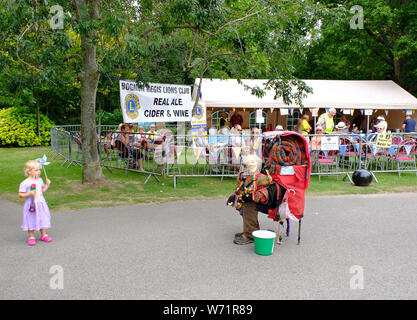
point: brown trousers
(250, 218)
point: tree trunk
(397, 71)
(88, 10)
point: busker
(248, 180)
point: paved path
(184, 250)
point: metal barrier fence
(335, 154)
(165, 154)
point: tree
(35, 63)
(87, 13)
(385, 48)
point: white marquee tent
(348, 94)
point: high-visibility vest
(328, 122)
(225, 120)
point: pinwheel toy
(42, 161)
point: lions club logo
(198, 112)
(132, 106)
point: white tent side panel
(349, 94)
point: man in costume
(249, 180)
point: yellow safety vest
(225, 120)
(328, 122)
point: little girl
(36, 214)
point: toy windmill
(42, 161)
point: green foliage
(384, 49)
(18, 127)
(111, 118)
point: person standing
(36, 215)
(223, 120)
(409, 124)
(236, 119)
(305, 126)
(326, 120)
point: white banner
(329, 143)
(283, 112)
(155, 102)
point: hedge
(18, 127)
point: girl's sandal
(45, 238)
(31, 241)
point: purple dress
(40, 218)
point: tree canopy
(385, 48)
(57, 56)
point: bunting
(197, 151)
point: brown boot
(242, 239)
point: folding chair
(124, 154)
(348, 154)
(328, 162)
(404, 156)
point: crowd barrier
(166, 154)
(336, 154)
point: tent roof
(348, 94)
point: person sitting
(356, 130)
(141, 133)
(315, 143)
(126, 147)
(340, 127)
(347, 123)
(200, 139)
(112, 143)
(131, 131)
(224, 132)
(279, 128)
(151, 134)
(236, 139)
(382, 125)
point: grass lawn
(67, 192)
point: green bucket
(264, 242)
